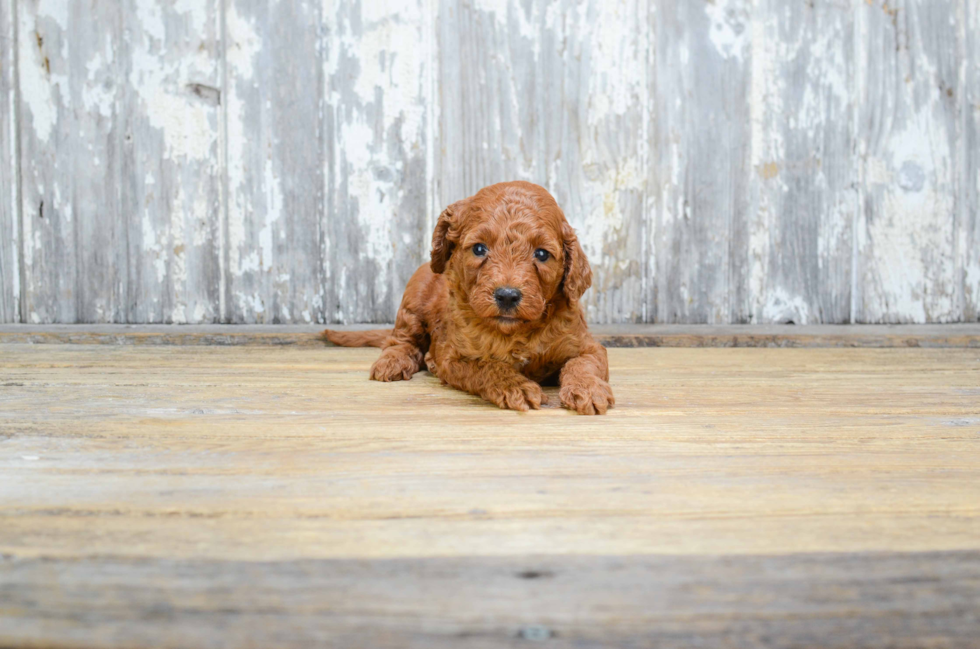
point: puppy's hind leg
(401, 355)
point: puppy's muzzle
(507, 298)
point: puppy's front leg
(496, 382)
(401, 356)
(585, 382)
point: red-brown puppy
(496, 311)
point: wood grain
(700, 140)
(377, 61)
(968, 215)
(796, 251)
(194, 452)
(908, 79)
(895, 600)
(9, 223)
(725, 162)
(196, 497)
(555, 93)
(119, 161)
(275, 154)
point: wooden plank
(871, 336)
(50, 263)
(908, 95)
(377, 230)
(730, 161)
(894, 600)
(274, 496)
(281, 454)
(968, 216)
(555, 93)
(172, 167)
(121, 183)
(796, 262)
(700, 144)
(9, 164)
(275, 162)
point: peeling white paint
(244, 46)
(568, 98)
(188, 126)
(389, 56)
(244, 43)
(41, 90)
(371, 155)
(13, 199)
(617, 77)
(605, 219)
(197, 10)
(57, 10)
(911, 233)
(99, 92)
(765, 95)
(728, 26)
(782, 307)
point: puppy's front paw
(519, 395)
(393, 367)
(587, 395)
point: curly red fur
(450, 323)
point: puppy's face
(509, 252)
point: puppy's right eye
(480, 250)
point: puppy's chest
(533, 360)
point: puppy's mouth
(507, 321)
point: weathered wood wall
(283, 161)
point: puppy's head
(508, 252)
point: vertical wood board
(9, 226)
(796, 256)
(555, 93)
(275, 148)
(906, 90)
(376, 224)
(121, 182)
(723, 162)
(968, 214)
(700, 145)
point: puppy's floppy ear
(578, 273)
(445, 236)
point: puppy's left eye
(542, 255)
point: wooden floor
(262, 496)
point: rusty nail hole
(534, 574)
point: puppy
(496, 312)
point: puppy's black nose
(507, 298)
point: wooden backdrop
(284, 161)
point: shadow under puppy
(497, 311)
